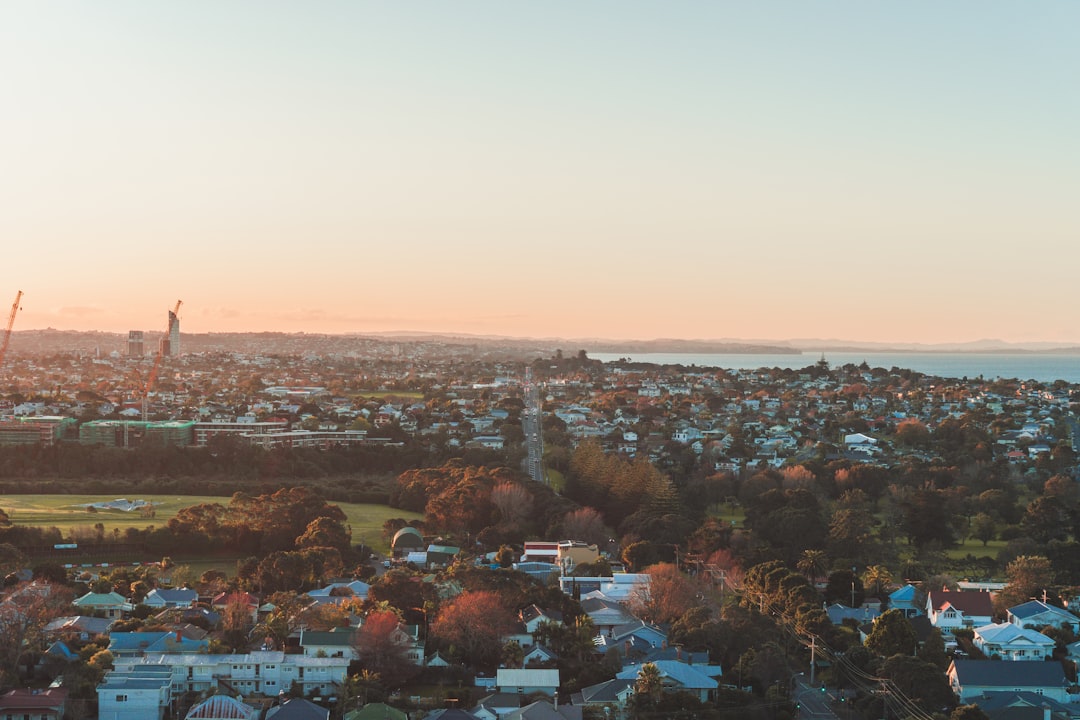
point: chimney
(178, 636)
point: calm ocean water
(1043, 368)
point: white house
(1010, 642)
(134, 693)
(263, 672)
(964, 609)
(970, 679)
(1036, 613)
(527, 680)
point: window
(121, 698)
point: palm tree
(813, 564)
(649, 683)
(877, 579)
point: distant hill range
(52, 341)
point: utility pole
(813, 649)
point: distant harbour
(1027, 366)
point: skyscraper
(173, 346)
(136, 348)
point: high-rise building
(170, 344)
(136, 348)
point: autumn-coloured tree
(513, 502)
(667, 596)
(24, 613)
(472, 625)
(325, 532)
(383, 648)
(586, 524)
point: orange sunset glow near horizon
(619, 170)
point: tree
(813, 564)
(892, 634)
(933, 650)
(920, 681)
(325, 532)
(667, 596)
(473, 625)
(383, 647)
(586, 524)
(1028, 576)
(513, 502)
(877, 579)
(649, 686)
(968, 712)
(845, 587)
(23, 617)
(983, 529)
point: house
(84, 627)
(905, 599)
(133, 644)
(1023, 705)
(265, 672)
(30, 704)
(1009, 642)
(376, 711)
(339, 642)
(611, 693)
(297, 709)
(1036, 613)
(964, 609)
(678, 676)
(112, 604)
(222, 600)
(496, 705)
(135, 693)
(171, 598)
(527, 680)
(543, 710)
(970, 679)
(532, 616)
(450, 714)
(839, 613)
(339, 592)
(537, 655)
(606, 615)
(222, 707)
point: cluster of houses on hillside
(1010, 665)
(731, 420)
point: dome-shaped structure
(407, 538)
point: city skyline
(616, 170)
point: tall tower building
(172, 348)
(136, 348)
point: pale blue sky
(871, 171)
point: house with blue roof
(906, 600)
(1009, 642)
(171, 598)
(1036, 613)
(698, 680)
(134, 644)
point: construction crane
(152, 377)
(10, 323)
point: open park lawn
(70, 511)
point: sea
(1044, 368)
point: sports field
(69, 511)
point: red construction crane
(10, 323)
(152, 377)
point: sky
(903, 172)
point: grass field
(69, 511)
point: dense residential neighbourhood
(595, 540)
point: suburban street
(812, 702)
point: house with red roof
(962, 609)
(36, 704)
